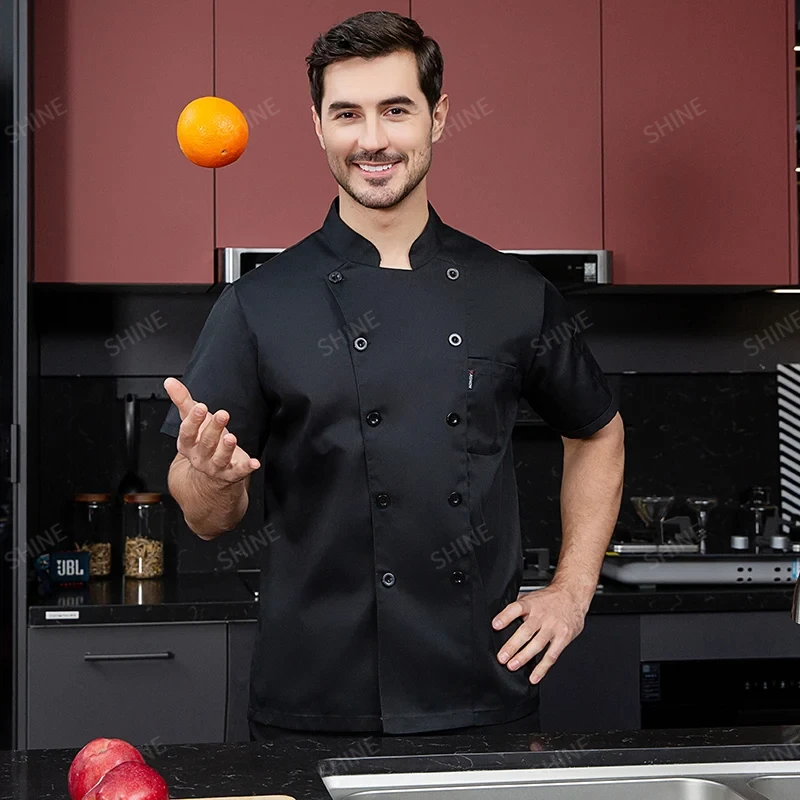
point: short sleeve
(564, 384)
(223, 373)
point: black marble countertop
(294, 764)
(206, 597)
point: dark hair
(371, 34)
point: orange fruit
(212, 132)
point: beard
(382, 193)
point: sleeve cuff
(595, 425)
(171, 429)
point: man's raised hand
(205, 441)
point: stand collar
(352, 246)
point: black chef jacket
(383, 402)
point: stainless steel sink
(752, 780)
(777, 787)
(665, 789)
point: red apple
(95, 760)
(130, 780)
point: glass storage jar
(143, 531)
(92, 525)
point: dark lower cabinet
(594, 685)
(241, 639)
(150, 684)
(155, 684)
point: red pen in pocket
(471, 374)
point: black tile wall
(695, 375)
(713, 434)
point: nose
(373, 135)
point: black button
(453, 419)
(458, 576)
(360, 343)
(373, 418)
(335, 277)
(382, 500)
(388, 579)
(454, 499)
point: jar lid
(92, 497)
(142, 497)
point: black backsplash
(700, 411)
(710, 435)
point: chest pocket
(491, 404)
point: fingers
(209, 436)
(224, 452)
(187, 435)
(509, 613)
(550, 657)
(517, 641)
(179, 395)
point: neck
(391, 230)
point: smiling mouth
(377, 169)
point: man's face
(357, 126)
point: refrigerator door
(13, 361)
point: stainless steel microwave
(566, 269)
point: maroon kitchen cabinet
(519, 163)
(698, 141)
(114, 199)
(280, 189)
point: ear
(317, 126)
(440, 117)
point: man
(377, 366)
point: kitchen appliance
(712, 568)
(15, 121)
(660, 534)
(765, 558)
(566, 269)
(733, 692)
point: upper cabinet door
(519, 163)
(115, 200)
(280, 189)
(698, 113)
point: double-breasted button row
(457, 577)
(361, 343)
(383, 500)
(374, 418)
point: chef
(374, 370)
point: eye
(396, 108)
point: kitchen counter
(210, 597)
(291, 765)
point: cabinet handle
(128, 656)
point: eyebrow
(399, 100)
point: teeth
(376, 169)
